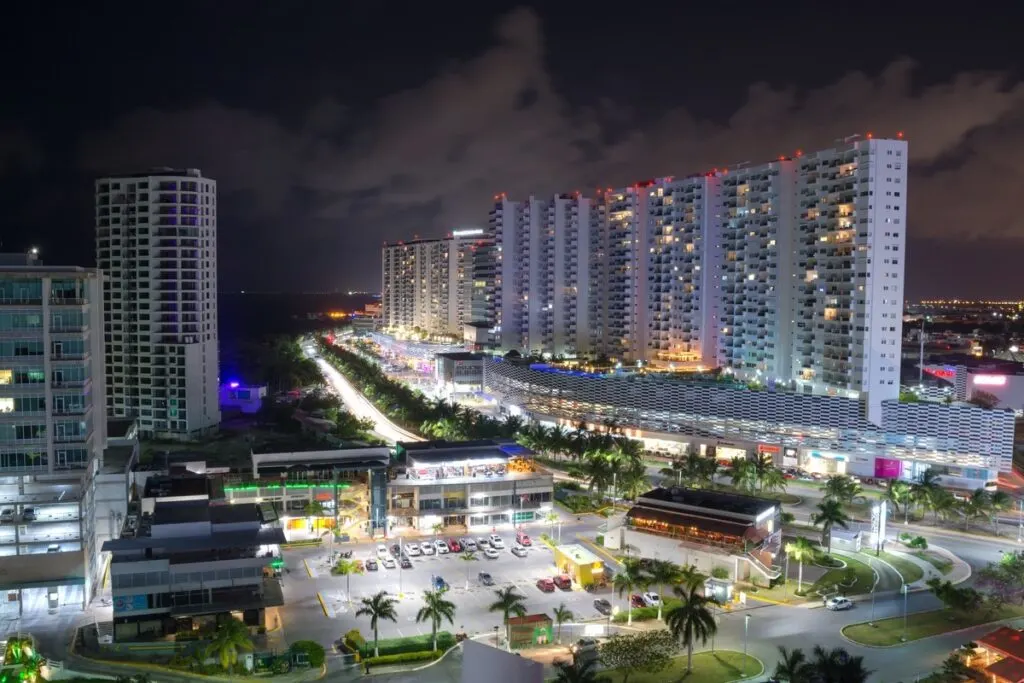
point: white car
(496, 542)
(427, 547)
(838, 604)
(442, 547)
(519, 551)
(389, 563)
(491, 553)
(411, 549)
(481, 543)
(651, 599)
(469, 544)
(382, 551)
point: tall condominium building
(156, 240)
(544, 274)
(788, 272)
(428, 285)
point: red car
(454, 546)
(637, 601)
(546, 585)
(523, 539)
(563, 581)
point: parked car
(412, 549)
(28, 515)
(485, 579)
(389, 563)
(519, 551)
(651, 599)
(482, 543)
(396, 550)
(454, 545)
(603, 606)
(585, 649)
(496, 542)
(523, 539)
(53, 548)
(490, 553)
(406, 563)
(371, 565)
(468, 544)
(7, 515)
(837, 604)
(427, 547)
(546, 585)
(637, 600)
(441, 546)
(382, 551)
(563, 581)
(440, 584)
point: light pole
(874, 583)
(1020, 520)
(401, 554)
(746, 630)
(903, 638)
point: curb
(395, 670)
(918, 640)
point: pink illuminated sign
(990, 380)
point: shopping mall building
(826, 434)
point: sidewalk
(960, 572)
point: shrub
(719, 573)
(354, 640)
(405, 657)
(599, 540)
(398, 646)
(918, 542)
(314, 651)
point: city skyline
(323, 156)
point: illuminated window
(6, 405)
(6, 376)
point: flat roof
(718, 501)
(221, 539)
(705, 522)
(119, 427)
(40, 570)
(578, 553)
(1006, 640)
(462, 355)
(116, 459)
(351, 458)
(443, 451)
(178, 485)
(180, 511)
(235, 513)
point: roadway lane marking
(309, 570)
(328, 612)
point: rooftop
(180, 512)
(120, 427)
(117, 459)
(163, 486)
(219, 540)
(1005, 640)
(717, 501)
(454, 451)
(343, 458)
(578, 553)
(462, 355)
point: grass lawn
(229, 447)
(708, 667)
(814, 591)
(908, 569)
(781, 496)
(922, 625)
(938, 561)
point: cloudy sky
(334, 126)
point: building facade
(428, 285)
(156, 241)
(788, 272)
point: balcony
(21, 301)
(67, 301)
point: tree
(435, 610)
(468, 557)
(800, 550)
(632, 480)
(954, 669)
(378, 606)
(692, 619)
(841, 488)
(998, 503)
(437, 528)
(313, 508)
(509, 603)
(562, 614)
(581, 670)
(830, 513)
(837, 666)
(230, 638)
(1005, 578)
(649, 651)
(899, 494)
(983, 399)
(663, 573)
(347, 568)
(313, 650)
(792, 666)
(631, 578)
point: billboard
(888, 468)
(130, 603)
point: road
(357, 404)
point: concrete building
(246, 399)
(478, 484)
(428, 285)
(156, 241)
(181, 560)
(707, 529)
(459, 373)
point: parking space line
(328, 612)
(309, 570)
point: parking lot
(306, 617)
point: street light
(1020, 520)
(746, 630)
(903, 638)
(874, 584)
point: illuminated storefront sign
(990, 380)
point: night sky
(333, 126)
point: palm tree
(691, 576)
(627, 581)
(941, 502)
(468, 557)
(830, 513)
(922, 491)
(792, 666)
(437, 528)
(899, 494)
(800, 550)
(347, 568)
(562, 614)
(581, 670)
(377, 607)
(838, 665)
(230, 638)
(313, 508)
(841, 488)
(998, 502)
(632, 480)
(773, 480)
(661, 574)
(677, 470)
(508, 603)
(740, 473)
(692, 619)
(435, 609)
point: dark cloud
(430, 158)
(18, 153)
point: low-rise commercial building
(707, 529)
(247, 399)
(184, 558)
(581, 565)
(459, 373)
(470, 483)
